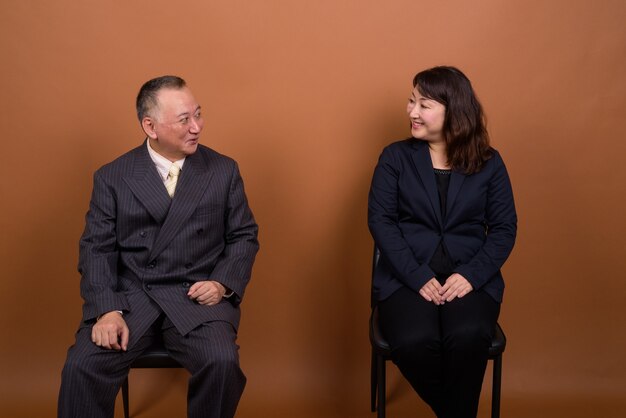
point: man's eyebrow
(187, 113)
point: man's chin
(191, 147)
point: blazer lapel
(456, 181)
(147, 186)
(424, 165)
(191, 186)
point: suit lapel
(456, 181)
(147, 186)
(191, 186)
(424, 165)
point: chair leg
(382, 389)
(497, 383)
(125, 397)
(373, 382)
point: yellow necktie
(172, 178)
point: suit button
(188, 265)
(143, 234)
(185, 284)
(152, 265)
(149, 287)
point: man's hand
(431, 291)
(456, 286)
(110, 332)
(208, 292)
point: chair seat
(156, 356)
(498, 343)
(380, 345)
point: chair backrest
(375, 259)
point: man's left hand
(207, 292)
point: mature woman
(441, 212)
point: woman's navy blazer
(405, 220)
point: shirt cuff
(100, 316)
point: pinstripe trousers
(92, 376)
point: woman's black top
(441, 263)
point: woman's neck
(438, 156)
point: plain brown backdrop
(305, 94)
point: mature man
(167, 252)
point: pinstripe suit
(140, 252)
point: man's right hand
(110, 332)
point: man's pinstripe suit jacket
(141, 249)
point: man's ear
(147, 124)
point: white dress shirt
(162, 164)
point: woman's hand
(456, 286)
(431, 291)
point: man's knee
(219, 350)
(79, 361)
(222, 357)
(85, 359)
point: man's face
(176, 124)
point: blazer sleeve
(501, 223)
(98, 255)
(234, 266)
(383, 223)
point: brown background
(304, 94)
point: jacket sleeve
(98, 255)
(234, 266)
(383, 218)
(501, 223)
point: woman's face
(427, 117)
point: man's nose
(195, 126)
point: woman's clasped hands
(455, 286)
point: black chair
(155, 357)
(381, 352)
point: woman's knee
(469, 338)
(416, 345)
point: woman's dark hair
(464, 130)
(147, 97)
